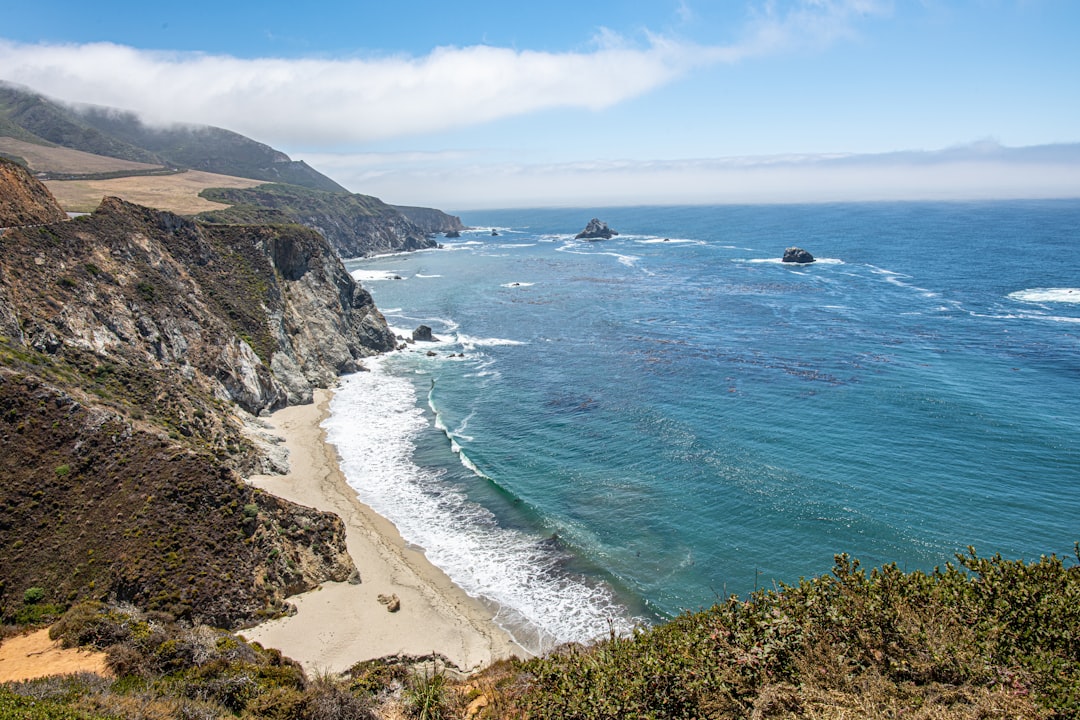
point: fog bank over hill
(979, 171)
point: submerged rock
(596, 230)
(797, 255)
(453, 234)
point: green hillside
(29, 116)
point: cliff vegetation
(133, 343)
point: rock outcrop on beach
(596, 230)
(131, 342)
(797, 255)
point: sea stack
(797, 255)
(596, 230)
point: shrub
(33, 595)
(93, 624)
(426, 697)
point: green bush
(33, 595)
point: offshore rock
(423, 334)
(797, 255)
(596, 230)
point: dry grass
(175, 193)
(65, 160)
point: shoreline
(339, 624)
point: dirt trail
(25, 657)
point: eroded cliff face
(129, 339)
(254, 315)
(24, 200)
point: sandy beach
(339, 624)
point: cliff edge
(131, 342)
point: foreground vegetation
(985, 638)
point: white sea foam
(362, 275)
(668, 241)
(373, 424)
(468, 342)
(517, 284)
(1047, 295)
(421, 275)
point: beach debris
(797, 255)
(392, 603)
(596, 230)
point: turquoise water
(638, 426)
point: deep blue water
(643, 425)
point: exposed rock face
(356, 225)
(258, 316)
(430, 220)
(797, 255)
(596, 230)
(24, 200)
(129, 339)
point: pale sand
(339, 624)
(25, 657)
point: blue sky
(467, 105)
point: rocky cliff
(254, 315)
(356, 225)
(24, 200)
(430, 220)
(129, 341)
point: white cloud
(326, 102)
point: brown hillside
(24, 200)
(47, 158)
(177, 193)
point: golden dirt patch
(25, 657)
(176, 193)
(65, 160)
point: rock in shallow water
(797, 255)
(423, 334)
(596, 230)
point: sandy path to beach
(34, 655)
(339, 624)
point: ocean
(609, 433)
